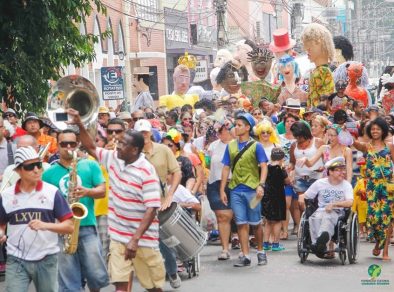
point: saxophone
(79, 210)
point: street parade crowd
(80, 210)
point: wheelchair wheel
(303, 233)
(352, 238)
(342, 256)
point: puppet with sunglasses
(338, 100)
(261, 61)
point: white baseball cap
(23, 154)
(142, 126)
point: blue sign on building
(112, 83)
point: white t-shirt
(216, 151)
(328, 193)
(183, 195)
(199, 143)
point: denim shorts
(289, 192)
(213, 195)
(243, 214)
(301, 185)
(43, 273)
(87, 263)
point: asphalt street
(284, 272)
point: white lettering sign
(177, 35)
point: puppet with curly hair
(260, 59)
(318, 44)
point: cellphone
(61, 117)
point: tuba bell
(75, 92)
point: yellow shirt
(101, 205)
(171, 101)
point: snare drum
(178, 230)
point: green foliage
(37, 39)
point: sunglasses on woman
(31, 166)
(257, 113)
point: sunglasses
(64, 144)
(186, 119)
(136, 119)
(31, 166)
(10, 116)
(116, 131)
(233, 102)
(257, 113)
(264, 133)
(170, 145)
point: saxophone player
(87, 262)
(34, 212)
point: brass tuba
(75, 92)
(79, 93)
(78, 209)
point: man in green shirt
(87, 262)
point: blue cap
(247, 117)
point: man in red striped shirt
(134, 198)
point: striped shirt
(132, 189)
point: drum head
(167, 213)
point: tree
(38, 38)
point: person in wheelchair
(334, 194)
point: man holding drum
(134, 198)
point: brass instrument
(75, 92)
(79, 210)
(79, 93)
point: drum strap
(239, 154)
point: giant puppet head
(222, 57)
(354, 72)
(230, 77)
(282, 44)
(343, 50)
(288, 69)
(318, 44)
(261, 60)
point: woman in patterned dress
(379, 161)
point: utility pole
(222, 38)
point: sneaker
(277, 247)
(261, 259)
(175, 283)
(242, 262)
(321, 242)
(266, 245)
(235, 243)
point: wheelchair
(346, 235)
